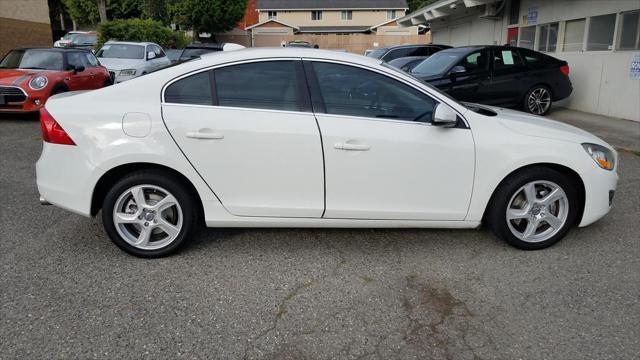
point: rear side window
(504, 59)
(263, 85)
(195, 90)
(420, 51)
(397, 53)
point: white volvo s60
(311, 138)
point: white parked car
(127, 60)
(312, 138)
(67, 39)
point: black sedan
(498, 75)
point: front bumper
(599, 186)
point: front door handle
(351, 147)
(202, 134)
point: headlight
(128, 72)
(601, 155)
(38, 82)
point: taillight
(52, 132)
(565, 69)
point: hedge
(141, 30)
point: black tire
(539, 108)
(164, 180)
(496, 213)
(107, 82)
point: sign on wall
(532, 15)
(634, 67)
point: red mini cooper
(29, 76)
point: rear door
(508, 81)
(248, 129)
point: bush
(141, 30)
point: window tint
(504, 59)
(531, 57)
(195, 89)
(77, 59)
(475, 62)
(263, 85)
(420, 51)
(352, 91)
(397, 53)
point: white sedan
(311, 138)
(127, 60)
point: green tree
(417, 4)
(82, 12)
(212, 16)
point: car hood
(538, 126)
(120, 64)
(15, 77)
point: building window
(514, 12)
(601, 30)
(573, 35)
(346, 15)
(548, 37)
(316, 15)
(629, 38)
(391, 14)
(527, 37)
(272, 15)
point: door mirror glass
(444, 115)
(151, 55)
(457, 69)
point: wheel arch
(116, 173)
(554, 166)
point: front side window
(263, 85)
(272, 15)
(346, 15)
(475, 62)
(527, 37)
(601, 30)
(91, 60)
(629, 31)
(194, 90)
(316, 15)
(352, 91)
(548, 37)
(397, 53)
(77, 60)
(573, 35)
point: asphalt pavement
(67, 292)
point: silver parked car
(126, 60)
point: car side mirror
(78, 69)
(444, 116)
(151, 55)
(455, 71)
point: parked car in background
(406, 64)
(28, 77)
(498, 75)
(68, 38)
(173, 54)
(127, 60)
(299, 43)
(312, 138)
(84, 41)
(390, 53)
(196, 49)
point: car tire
(538, 100)
(533, 208)
(149, 213)
(107, 82)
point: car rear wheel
(538, 100)
(149, 214)
(534, 208)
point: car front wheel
(149, 214)
(534, 208)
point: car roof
(413, 45)
(300, 52)
(54, 49)
(110, 42)
(216, 46)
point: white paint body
(265, 167)
(141, 66)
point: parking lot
(67, 292)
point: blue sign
(634, 68)
(532, 16)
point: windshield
(377, 53)
(193, 53)
(33, 59)
(121, 51)
(437, 63)
(85, 40)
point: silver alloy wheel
(537, 211)
(147, 217)
(539, 101)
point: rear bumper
(599, 185)
(65, 178)
(562, 90)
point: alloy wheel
(147, 217)
(539, 101)
(537, 211)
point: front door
(251, 136)
(383, 157)
(469, 78)
(507, 77)
(79, 80)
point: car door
(160, 59)
(92, 66)
(507, 81)
(249, 131)
(78, 80)
(383, 157)
(469, 77)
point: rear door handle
(351, 147)
(204, 135)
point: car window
(33, 59)
(77, 59)
(532, 58)
(262, 85)
(419, 51)
(352, 91)
(121, 51)
(91, 60)
(397, 53)
(377, 53)
(195, 89)
(158, 51)
(475, 62)
(504, 59)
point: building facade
(24, 23)
(599, 39)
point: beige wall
(27, 10)
(331, 18)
